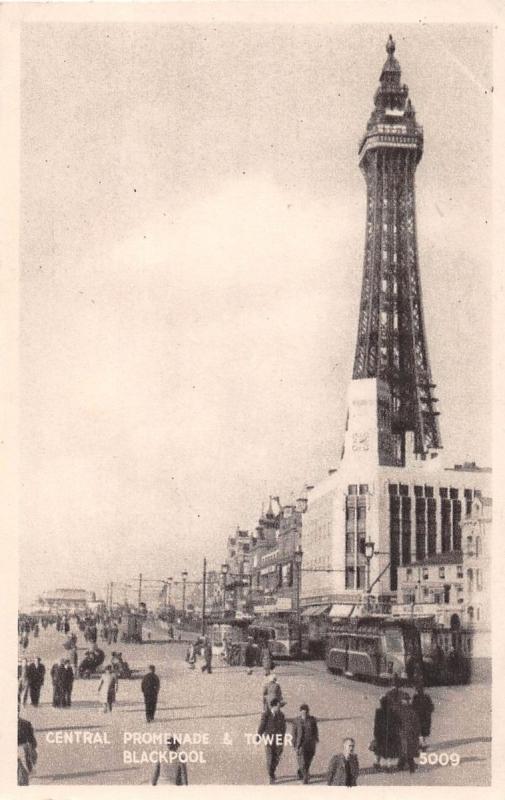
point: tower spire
(391, 343)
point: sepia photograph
(255, 397)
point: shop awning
(314, 611)
(341, 610)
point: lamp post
(369, 554)
(169, 585)
(298, 562)
(224, 572)
(184, 576)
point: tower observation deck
(391, 342)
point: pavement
(223, 708)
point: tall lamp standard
(369, 554)
(298, 563)
(224, 573)
(184, 576)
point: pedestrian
(36, 676)
(306, 737)
(191, 655)
(150, 688)
(410, 731)
(107, 689)
(250, 654)
(23, 682)
(266, 660)
(271, 691)
(173, 772)
(67, 684)
(207, 657)
(61, 678)
(343, 769)
(386, 733)
(54, 681)
(75, 661)
(424, 708)
(115, 631)
(273, 727)
(27, 751)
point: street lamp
(298, 557)
(169, 584)
(369, 554)
(224, 572)
(184, 576)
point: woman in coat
(107, 689)
(423, 706)
(386, 735)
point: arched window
(470, 613)
(477, 546)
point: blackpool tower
(391, 343)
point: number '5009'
(440, 758)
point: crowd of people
(401, 727)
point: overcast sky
(192, 236)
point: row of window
(470, 574)
(428, 491)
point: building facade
(476, 538)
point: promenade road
(226, 706)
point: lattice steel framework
(391, 342)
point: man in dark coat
(207, 656)
(150, 687)
(273, 726)
(423, 706)
(36, 675)
(61, 678)
(67, 684)
(306, 737)
(343, 769)
(56, 677)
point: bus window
(394, 640)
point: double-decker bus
(375, 648)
